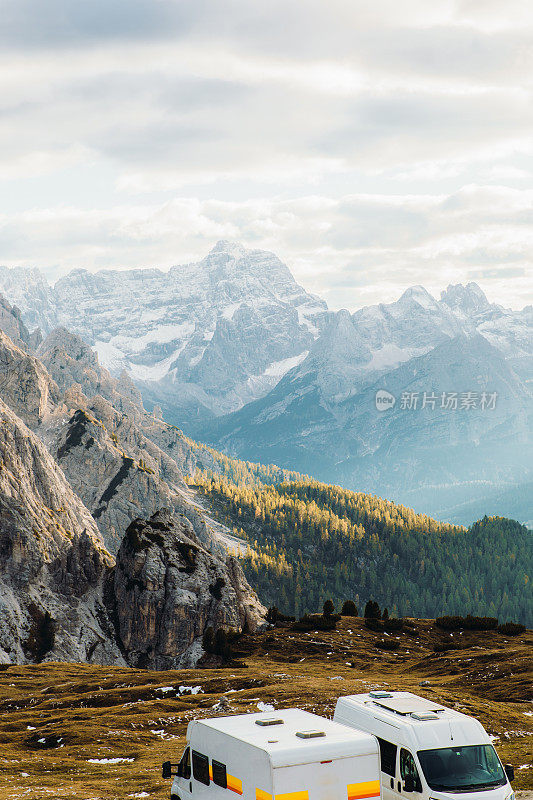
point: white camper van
(427, 751)
(287, 755)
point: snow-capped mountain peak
(469, 299)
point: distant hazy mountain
(201, 339)
(322, 418)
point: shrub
(387, 644)
(372, 610)
(328, 608)
(274, 615)
(349, 609)
(373, 624)
(385, 614)
(392, 624)
(511, 628)
(316, 622)
(468, 623)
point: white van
(288, 755)
(427, 751)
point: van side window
(219, 774)
(200, 767)
(184, 767)
(408, 768)
(387, 752)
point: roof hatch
(266, 722)
(421, 715)
(376, 694)
(310, 734)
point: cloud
(371, 145)
(353, 250)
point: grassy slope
(106, 712)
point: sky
(370, 145)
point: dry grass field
(63, 725)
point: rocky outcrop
(25, 385)
(53, 563)
(70, 361)
(61, 598)
(13, 326)
(118, 472)
(168, 589)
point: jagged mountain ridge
(221, 365)
(201, 338)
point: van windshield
(462, 769)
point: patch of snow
(110, 760)
(278, 368)
(265, 706)
(191, 690)
(390, 356)
(165, 689)
(230, 310)
(155, 372)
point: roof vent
(310, 734)
(266, 722)
(380, 694)
(421, 715)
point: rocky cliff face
(61, 598)
(168, 589)
(25, 385)
(12, 325)
(53, 563)
(71, 362)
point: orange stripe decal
(293, 796)
(234, 784)
(360, 791)
(261, 795)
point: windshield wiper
(467, 787)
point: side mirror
(166, 770)
(408, 783)
(509, 771)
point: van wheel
(174, 797)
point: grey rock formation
(119, 473)
(61, 597)
(53, 563)
(169, 589)
(12, 325)
(25, 384)
(70, 361)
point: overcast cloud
(370, 145)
